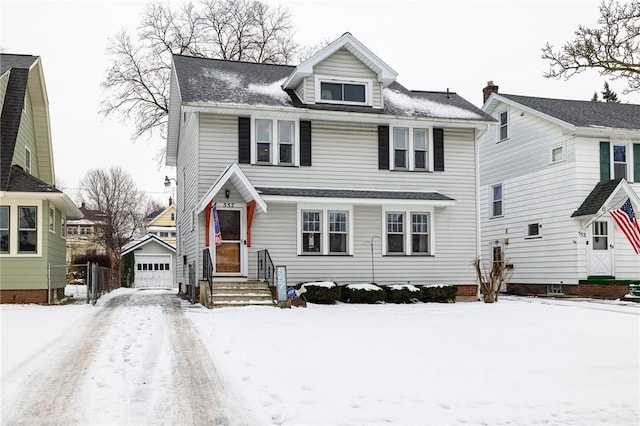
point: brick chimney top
(170, 201)
(487, 91)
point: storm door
(600, 249)
(229, 253)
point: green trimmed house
(33, 212)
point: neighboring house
(332, 167)
(33, 212)
(163, 223)
(154, 262)
(83, 234)
(549, 175)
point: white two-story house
(331, 167)
(550, 174)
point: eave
(59, 199)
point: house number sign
(281, 280)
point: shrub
(326, 292)
(443, 294)
(362, 293)
(401, 293)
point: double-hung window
(410, 148)
(395, 233)
(275, 141)
(620, 163)
(27, 229)
(496, 199)
(400, 142)
(420, 233)
(4, 229)
(311, 231)
(408, 233)
(503, 130)
(338, 236)
(324, 231)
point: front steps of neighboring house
(238, 293)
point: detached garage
(154, 265)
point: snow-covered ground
(519, 361)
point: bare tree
(136, 85)
(493, 275)
(113, 192)
(612, 48)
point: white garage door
(153, 271)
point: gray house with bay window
(332, 167)
(550, 173)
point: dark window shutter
(244, 140)
(438, 150)
(605, 162)
(636, 162)
(383, 147)
(305, 143)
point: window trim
(563, 158)
(505, 125)
(408, 211)
(27, 160)
(410, 151)
(492, 200)
(7, 229)
(528, 235)
(36, 230)
(52, 220)
(366, 82)
(275, 141)
(628, 148)
(63, 226)
(324, 210)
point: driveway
(137, 360)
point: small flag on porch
(628, 224)
(216, 226)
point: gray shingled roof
(585, 113)
(348, 193)
(596, 198)
(21, 181)
(9, 60)
(11, 108)
(219, 81)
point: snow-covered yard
(520, 361)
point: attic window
(352, 92)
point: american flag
(216, 227)
(628, 224)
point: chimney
(487, 91)
(170, 200)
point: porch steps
(241, 293)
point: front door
(229, 255)
(600, 249)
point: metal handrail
(207, 271)
(266, 269)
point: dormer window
(342, 92)
(350, 92)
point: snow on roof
(417, 105)
(273, 89)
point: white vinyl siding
(349, 150)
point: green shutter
(605, 162)
(636, 162)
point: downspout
(477, 197)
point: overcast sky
(433, 45)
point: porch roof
(355, 194)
